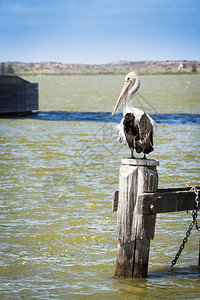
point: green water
(57, 233)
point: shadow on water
(175, 272)
(104, 117)
(190, 271)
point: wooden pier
(17, 96)
(137, 202)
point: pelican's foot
(132, 156)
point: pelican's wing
(146, 133)
(139, 135)
(131, 131)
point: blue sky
(99, 31)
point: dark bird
(136, 127)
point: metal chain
(194, 190)
(194, 222)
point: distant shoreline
(102, 74)
(119, 67)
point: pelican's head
(131, 85)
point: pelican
(179, 67)
(136, 127)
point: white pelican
(179, 67)
(136, 127)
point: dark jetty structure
(17, 96)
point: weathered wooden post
(134, 231)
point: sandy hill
(114, 67)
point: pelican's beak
(123, 94)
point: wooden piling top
(140, 162)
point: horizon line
(108, 63)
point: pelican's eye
(128, 78)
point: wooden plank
(8, 109)
(4, 92)
(27, 92)
(9, 99)
(115, 201)
(31, 98)
(140, 209)
(27, 86)
(164, 201)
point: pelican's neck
(128, 107)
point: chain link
(193, 223)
